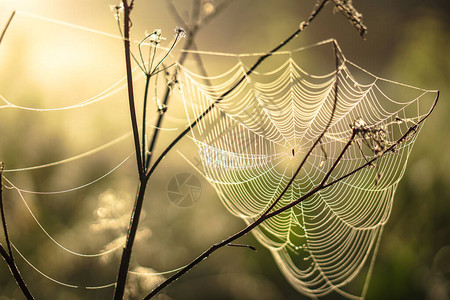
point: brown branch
(126, 254)
(9, 257)
(324, 185)
(127, 10)
(16, 274)
(143, 158)
(2, 211)
(312, 192)
(191, 32)
(230, 239)
(134, 221)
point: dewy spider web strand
(73, 188)
(264, 126)
(87, 287)
(48, 234)
(91, 287)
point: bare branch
(132, 106)
(242, 246)
(2, 210)
(16, 274)
(318, 188)
(9, 257)
(324, 185)
(192, 31)
(134, 222)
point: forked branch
(323, 185)
(8, 256)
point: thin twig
(318, 188)
(7, 25)
(144, 119)
(9, 258)
(132, 106)
(143, 158)
(226, 242)
(134, 221)
(131, 235)
(242, 246)
(191, 32)
(15, 272)
(324, 185)
(2, 210)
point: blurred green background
(44, 65)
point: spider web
(251, 145)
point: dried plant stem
(8, 256)
(132, 229)
(143, 157)
(134, 221)
(15, 272)
(126, 24)
(234, 237)
(191, 32)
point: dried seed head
(117, 10)
(155, 37)
(179, 32)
